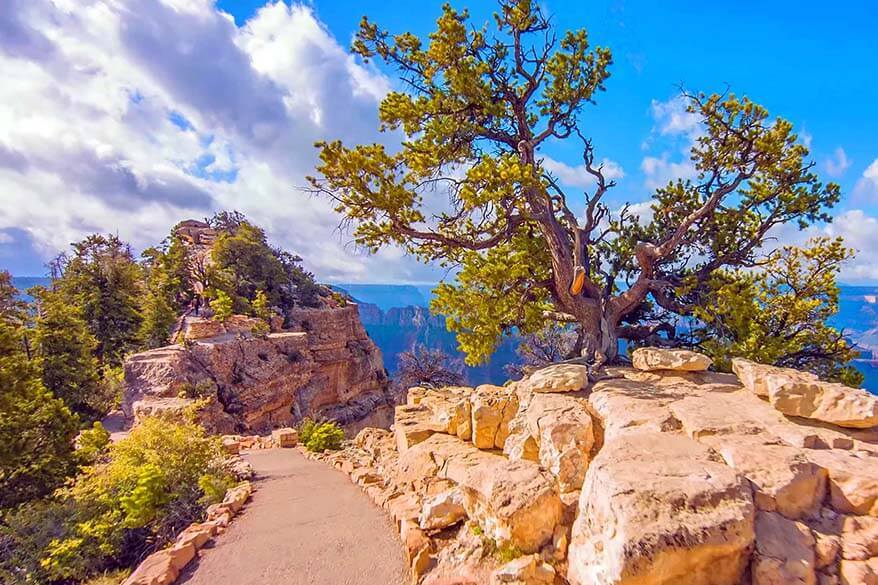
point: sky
(126, 116)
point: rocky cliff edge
(323, 366)
(659, 474)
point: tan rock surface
(784, 551)
(557, 378)
(661, 509)
(681, 360)
(325, 367)
(783, 478)
(562, 429)
(824, 401)
(491, 410)
(514, 501)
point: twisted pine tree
(476, 106)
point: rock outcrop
(653, 476)
(324, 366)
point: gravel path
(306, 524)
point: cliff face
(325, 366)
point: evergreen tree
(476, 106)
(103, 280)
(778, 313)
(36, 429)
(65, 352)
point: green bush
(306, 427)
(324, 436)
(135, 498)
(221, 305)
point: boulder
(783, 478)
(156, 569)
(413, 424)
(442, 510)
(661, 509)
(491, 410)
(853, 480)
(515, 502)
(824, 401)
(680, 360)
(285, 438)
(562, 430)
(858, 572)
(231, 444)
(859, 538)
(200, 328)
(752, 374)
(557, 378)
(451, 410)
(525, 570)
(784, 552)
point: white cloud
(675, 131)
(129, 115)
(659, 171)
(866, 187)
(859, 230)
(672, 118)
(838, 163)
(578, 176)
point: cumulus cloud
(866, 187)
(837, 164)
(128, 115)
(672, 118)
(658, 171)
(674, 132)
(578, 176)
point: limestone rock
(853, 480)
(661, 509)
(442, 510)
(753, 374)
(784, 552)
(491, 410)
(557, 378)
(412, 425)
(561, 429)
(525, 570)
(859, 538)
(859, 572)
(451, 410)
(784, 480)
(824, 401)
(681, 360)
(514, 502)
(285, 437)
(156, 569)
(325, 367)
(628, 405)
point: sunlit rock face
(325, 366)
(670, 474)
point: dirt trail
(306, 524)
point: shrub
(321, 437)
(136, 498)
(222, 306)
(306, 427)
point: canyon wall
(323, 366)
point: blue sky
(128, 116)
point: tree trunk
(600, 342)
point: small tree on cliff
(424, 366)
(477, 106)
